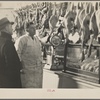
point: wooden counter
(58, 79)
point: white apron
(29, 52)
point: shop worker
(9, 60)
(29, 50)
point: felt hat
(4, 21)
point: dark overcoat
(9, 63)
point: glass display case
(89, 68)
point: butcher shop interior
(68, 35)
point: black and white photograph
(51, 45)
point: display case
(89, 68)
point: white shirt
(29, 50)
(74, 38)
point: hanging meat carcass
(77, 21)
(85, 33)
(53, 20)
(63, 8)
(93, 32)
(69, 20)
(98, 19)
(82, 14)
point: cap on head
(4, 21)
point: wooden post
(99, 63)
(65, 55)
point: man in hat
(9, 60)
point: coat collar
(6, 35)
